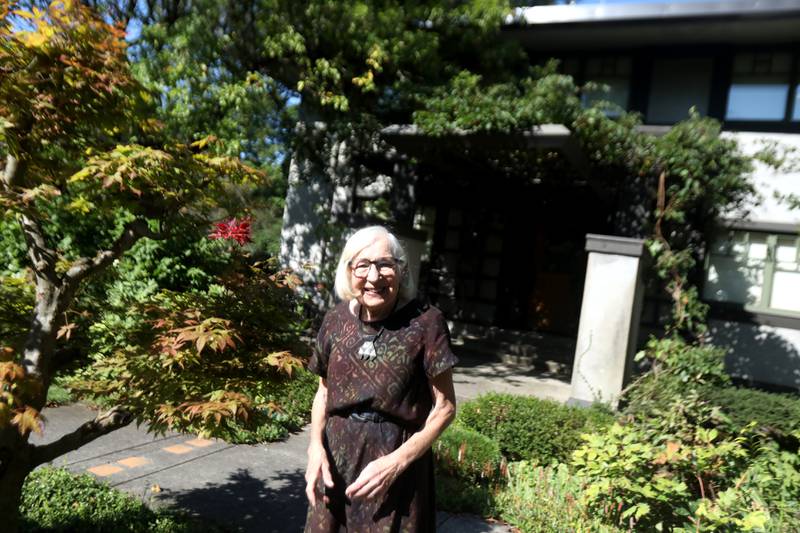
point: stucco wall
(768, 180)
(758, 353)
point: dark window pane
(677, 85)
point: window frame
(763, 305)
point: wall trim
(610, 244)
(754, 225)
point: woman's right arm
(317, 458)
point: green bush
(680, 464)
(469, 467)
(55, 500)
(58, 393)
(225, 362)
(778, 412)
(546, 499)
(528, 428)
(17, 297)
(463, 453)
(458, 495)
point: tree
(76, 142)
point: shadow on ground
(474, 366)
(247, 503)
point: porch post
(610, 314)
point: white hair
(357, 242)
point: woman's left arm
(378, 476)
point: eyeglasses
(385, 266)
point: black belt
(369, 416)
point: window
(796, 111)
(759, 87)
(759, 270)
(615, 72)
(676, 86)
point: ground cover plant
(546, 499)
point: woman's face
(379, 286)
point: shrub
(469, 466)
(778, 412)
(466, 454)
(545, 499)
(531, 428)
(225, 362)
(460, 496)
(55, 500)
(679, 463)
(58, 394)
(678, 368)
(16, 295)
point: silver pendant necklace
(367, 351)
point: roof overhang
(546, 137)
(572, 27)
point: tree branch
(105, 423)
(11, 171)
(42, 256)
(84, 267)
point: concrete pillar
(414, 244)
(610, 314)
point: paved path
(251, 488)
(256, 488)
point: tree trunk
(15, 465)
(10, 496)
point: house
(507, 261)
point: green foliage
(467, 104)
(464, 453)
(457, 495)
(13, 254)
(634, 479)
(546, 499)
(469, 471)
(529, 428)
(58, 394)
(697, 173)
(778, 413)
(679, 463)
(670, 397)
(204, 361)
(55, 500)
(15, 313)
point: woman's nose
(372, 273)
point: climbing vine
(691, 174)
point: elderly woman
(385, 394)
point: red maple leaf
(233, 229)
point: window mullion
(769, 271)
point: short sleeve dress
(411, 346)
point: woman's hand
(317, 466)
(376, 478)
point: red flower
(237, 230)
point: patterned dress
(411, 346)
